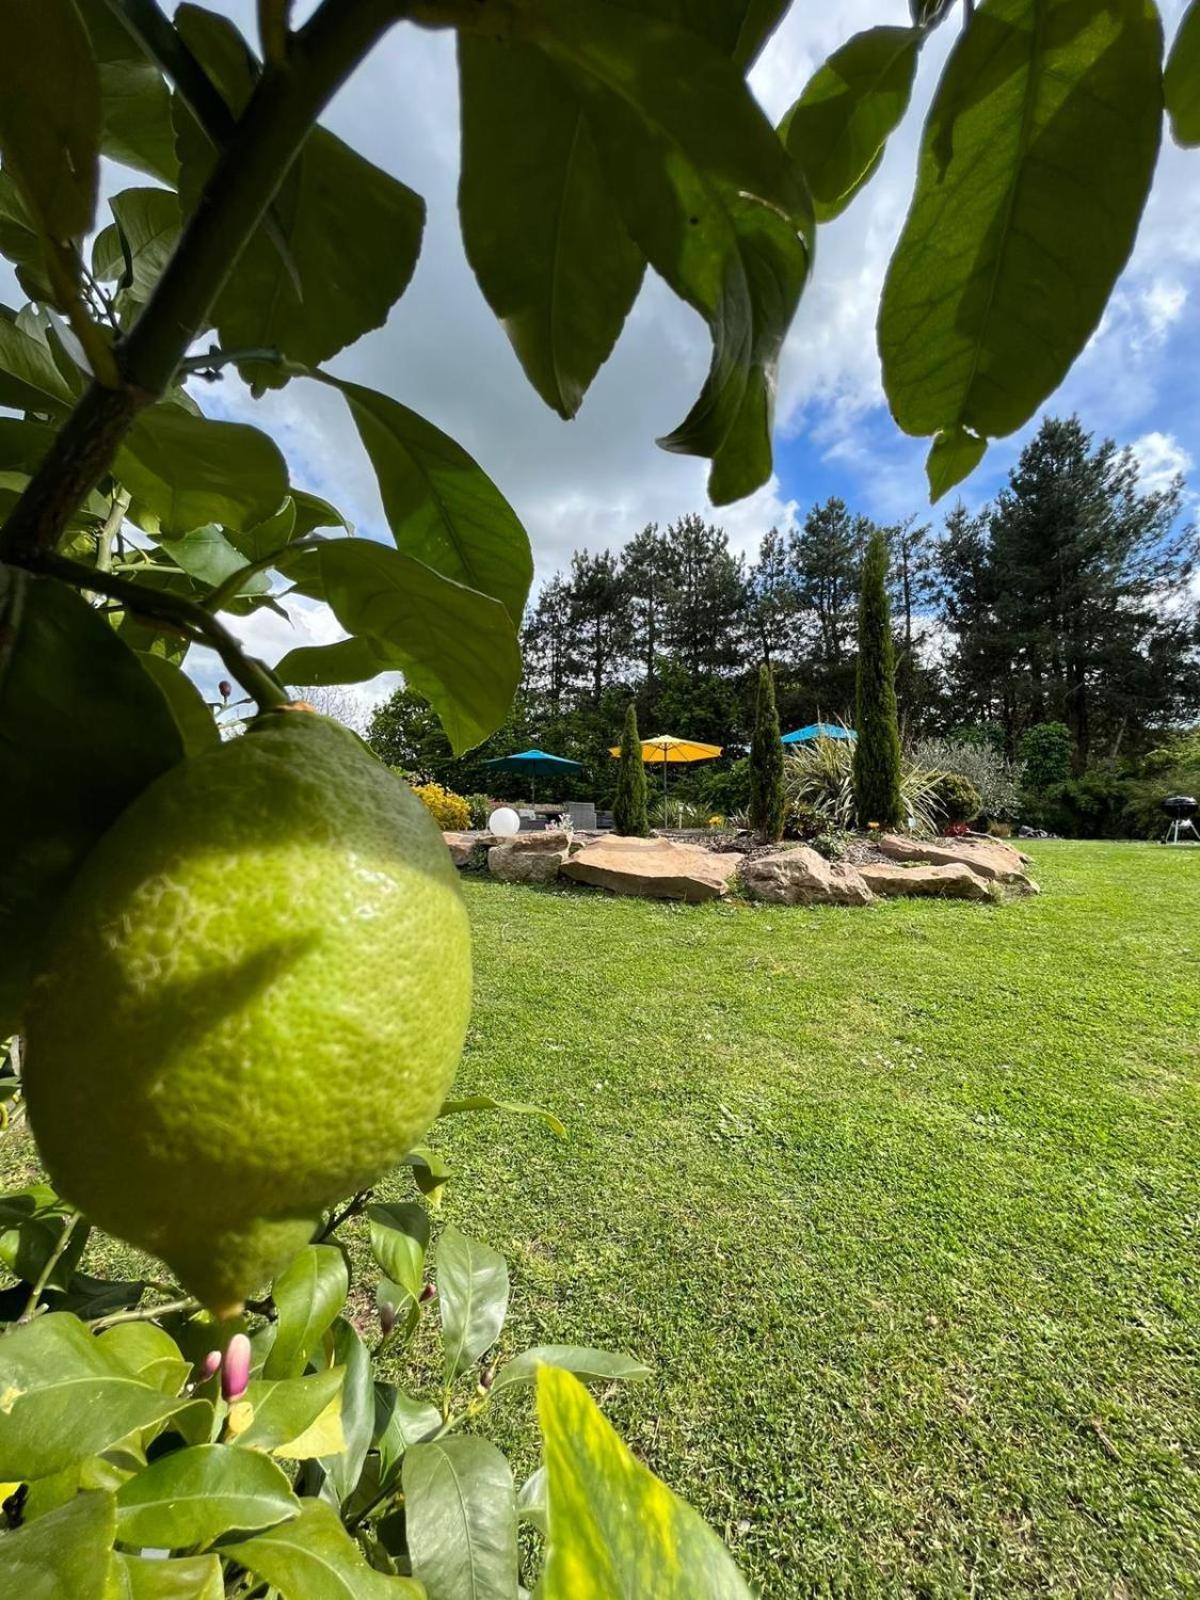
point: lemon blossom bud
(235, 1372)
(427, 1293)
(210, 1366)
(224, 688)
(387, 1316)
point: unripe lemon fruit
(254, 1004)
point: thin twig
(108, 532)
(144, 1313)
(47, 1271)
(210, 363)
(353, 1206)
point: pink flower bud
(487, 1378)
(427, 1293)
(209, 1366)
(224, 688)
(235, 1372)
(387, 1316)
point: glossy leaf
(400, 1422)
(65, 1555)
(82, 732)
(313, 512)
(308, 1295)
(542, 232)
(29, 378)
(531, 1500)
(461, 1519)
(455, 646)
(208, 556)
(189, 471)
(953, 456)
(472, 1281)
(1181, 80)
(20, 244)
(32, 1222)
(399, 1240)
(486, 1102)
(708, 194)
(314, 1558)
(1035, 165)
(352, 230)
(206, 1492)
(284, 1409)
(63, 1398)
(196, 724)
(322, 665)
(50, 114)
(265, 538)
(188, 1578)
(838, 127)
(614, 1527)
(441, 507)
(147, 226)
(135, 102)
(593, 1366)
(357, 1411)
(150, 1353)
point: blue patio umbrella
(535, 763)
(818, 730)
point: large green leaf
(135, 102)
(542, 232)
(195, 721)
(738, 28)
(455, 646)
(63, 1398)
(596, 1366)
(346, 661)
(65, 1555)
(400, 1422)
(953, 456)
(32, 1223)
(838, 127)
(314, 1558)
(486, 1102)
(82, 732)
(399, 1239)
(711, 197)
(1181, 81)
(206, 1492)
(147, 225)
(1035, 165)
(616, 1529)
(50, 114)
(442, 508)
(285, 1408)
(20, 243)
(29, 378)
(460, 1519)
(189, 1578)
(150, 1353)
(188, 471)
(358, 1407)
(472, 1281)
(308, 1295)
(353, 231)
(208, 556)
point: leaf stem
(210, 363)
(144, 1313)
(47, 1272)
(112, 526)
(353, 1206)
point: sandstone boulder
(524, 843)
(466, 848)
(953, 881)
(511, 865)
(991, 859)
(659, 869)
(802, 877)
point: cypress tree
(767, 806)
(877, 752)
(629, 808)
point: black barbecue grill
(1181, 808)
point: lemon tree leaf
(460, 1519)
(400, 1421)
(150, 1354)
(953, 456)
(614, 1527)
(50, 114)
(265, 538)
(65, 1555)
(487, 1102)
(353, 231)
(63, 1398)
(208, 556)
(188, 1578)
(399, 1239)
(206, 1492)
(343, 1469)
(455, 646)
(313, 512)
(82, 732)
(596, 1366)
(135, 103)
(196, 724)
(314, 1558)
(1035, 165)
(285, 1408)
(1181, 80)
(308, 1295)
(147, 225)
(708, 194)
(19, 242)
(838, 127)
(541, 229)
(32, 1222)
(321, 665)
(472, 1281)
(441, 507)
(29, 378)
(531, 1500)
(189, 471)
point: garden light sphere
(504, 822)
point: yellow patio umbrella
(665, 750)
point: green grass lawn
(901, 1204)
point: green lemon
(254, 1004)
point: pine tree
(877, 753)
(767, 806)
(629, 808)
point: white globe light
(504, 822)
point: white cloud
(1161, 459)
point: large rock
(657, 868)
(991, 859)
(549, 839)
(513, 865)
(801, 877)
(954, 881)
(466, 848)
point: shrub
(450, 811)
(877, 795)
(629, 808)
(980, 761)
(480, 807)
(726, 789)
(1091, 806)
(1045, 756)
(767, 804)
(956, 797)
(819, 784)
